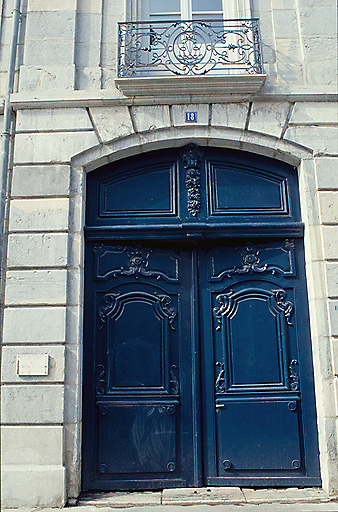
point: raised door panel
(234, 190)
(256, 436)
(137, 439)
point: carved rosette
(250, 261)
(192, 157)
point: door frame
(256, 143)
(247, 235)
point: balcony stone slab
(207, 86)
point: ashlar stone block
(232, 115)
(268, 118)
(35, 325)
(320, 139)
(35, 250)
(33, 486)
(334, 346)
(178, 114)
(314, 113)
(34, 287)
(51, 147)
(327, 173)
(32, 403)
(41, 180)
(332, 279)
(333, 309)
(36, 78)
(151, 117)
(39, 214)
(49, 52)
(47, 25)
(53, 119)
(318, 19)
(56, 364)
(31, 445)
(329, 207)
(47, 5)
(285, 23)
(330, 237)
(111, 122)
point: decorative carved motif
(220, 381)
(285, 305)
(192, 156)
(250, 261)
(137, 265)
(225, 302)
(170, 312)
(100, 380)
(114, 304)
(109, 304)
(169, 409)
(294, 384)
(174, 384)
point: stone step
(204, 495)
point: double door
(197, 366)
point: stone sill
(112, 97)
(207, 86)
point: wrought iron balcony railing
(189, 48)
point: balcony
(177, 54)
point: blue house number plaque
(191, 117)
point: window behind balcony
(160, 10)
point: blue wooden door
(197, 354)
(140, 420)
(256, 365)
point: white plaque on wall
(32, 365)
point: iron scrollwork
(189, 47)
(294, 384)
(192, 157)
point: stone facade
(69, 119)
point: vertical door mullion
(207, 368)
(196, 387)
